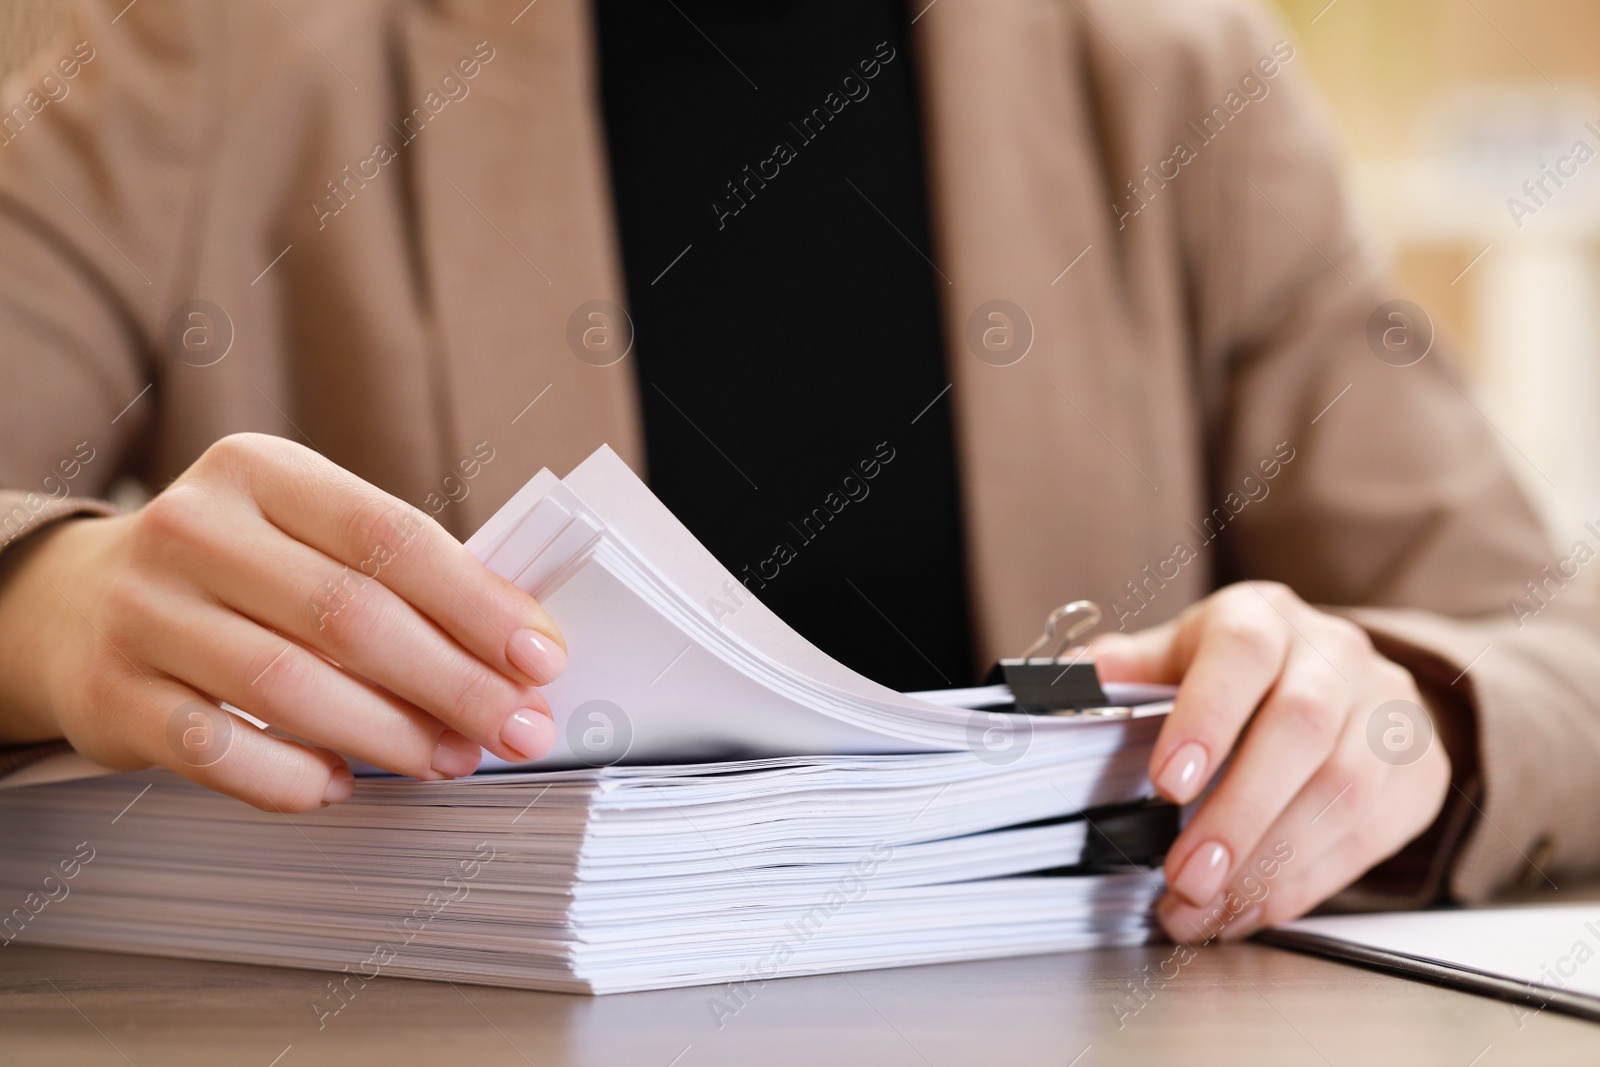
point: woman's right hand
(269, 578)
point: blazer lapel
(514, 219)
(1072, 445)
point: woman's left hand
(1334, 763)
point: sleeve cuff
(24, 514)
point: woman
(339, 279)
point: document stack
(727, 804)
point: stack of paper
(593, 880)
(857, 828)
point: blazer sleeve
(95, 188)
(98, 195)
(1402, 506)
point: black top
(767, 168)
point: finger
(155, 720)
(1331, 871)
(278, 681)
(1240, 645)
(1300, 887)
(1236, 911)
(1355, 812)
(293, 589)
(318, 503)
(1316, 820)
(1145, 656)
(1290, 737)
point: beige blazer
(394, 208)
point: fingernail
(1184, 773)
(537, 656)
(455, 756)
(340, 785)
(529, 734)
(1241, 925)
(1203, 873)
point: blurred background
(1447, 107)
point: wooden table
(1232, 1005)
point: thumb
(1147, 656)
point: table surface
(1229, 1004)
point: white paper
(1552, 945)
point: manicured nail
(1184, 773)
(1203, 873)
(1242, 925)
(340, 785)
(529, 733)
(537, 656)
(455, 756)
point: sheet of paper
(1551, 945)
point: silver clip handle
(1091, 618)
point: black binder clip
(1052, 684)
(1137, 834)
